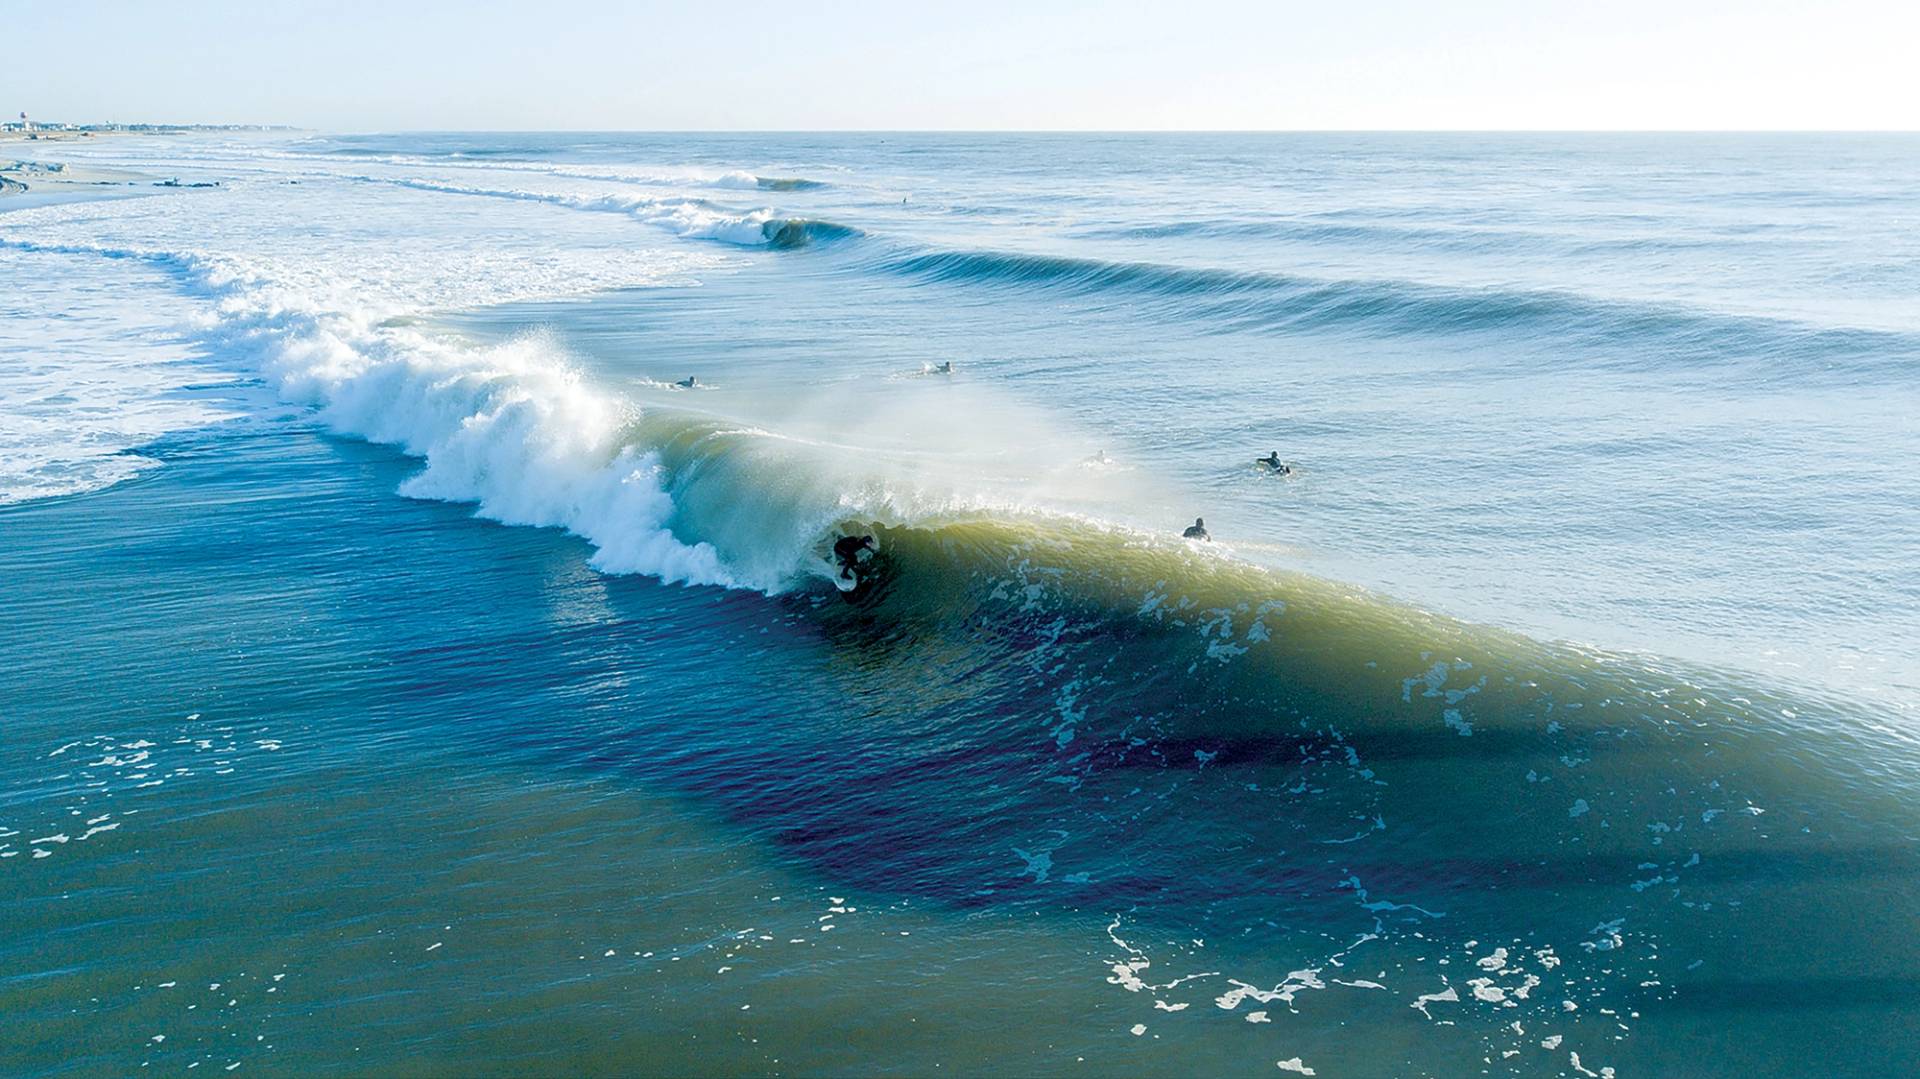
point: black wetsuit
(846, 551)
(1197, 531)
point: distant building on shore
(24, 125)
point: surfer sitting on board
(846, 551)
(1198, 531)
(1272, 461)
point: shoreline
(21, 178)
(38, 183)
(59, 181)
(74, 134)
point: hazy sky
(1179, 64)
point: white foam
(1448, 995)
(512, 428)
(71, 410)
(329, 315)
(687, 218)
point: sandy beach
(17, 135)
(19, 177)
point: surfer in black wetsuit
(688, 383)
(846, 551)
(1198, 531)
(1272, 461)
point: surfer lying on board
(1272, 461)
(846, 551)
(1198, 531)
(688, 382)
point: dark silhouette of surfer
(1198, 531)
(688, 383)
(846, 551)
(1272, 461)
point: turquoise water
(402, 675)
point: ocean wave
(685, 217)
(505, 160)
(1272, 302)
(512, 428)
(1464, 237)
(1309, 230)
(788, 183)
(1404, 766)
(1124, 649)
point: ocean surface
(401, 674)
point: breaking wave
(1106, 651)
(685, 217)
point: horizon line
(306, 129)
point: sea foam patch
(91, 369)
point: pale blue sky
(1181, 64)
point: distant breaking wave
(685, 217)
(528, 161)
(787, 183)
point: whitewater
(1554, 713)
